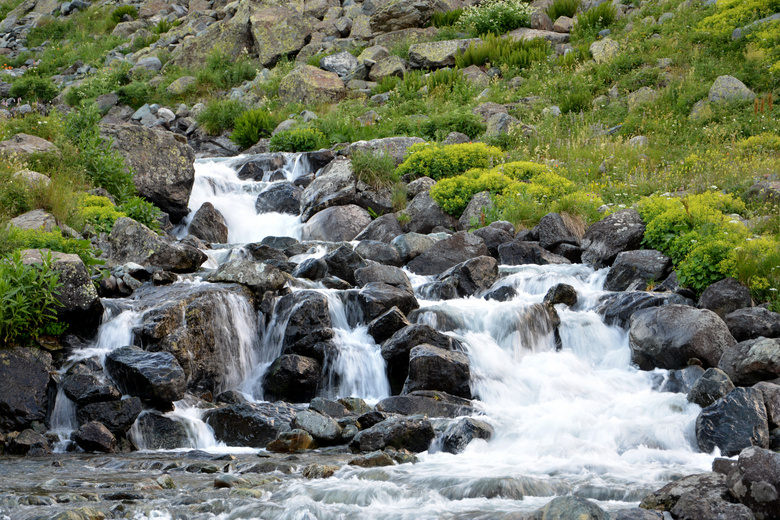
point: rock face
(152, 376)
(435, 55)
(24, 394)
(449, 252)
(424, 215)
(208, 224)
(117, 416)
(134, 242)
(336, 224)
(618, 308)
(163, 166)
(752, 361)
(621, 231)
(93, 436)
(160, 432)
(258, 276)
(280, 197)
(725, 296)
(635, 269)
(334, 186)
(279, 32)
(520, 252)
(414, 435)
(698, 496)
(425, 402)
(293, 378)
(401, 14)
(307, 84)
(250, 424)
(753, 322)
(396, 350)
(667, 337)
(756, 482)
(734, 422)
(434, 368)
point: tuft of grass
(563, 8)
(375, 169)
(446, 18)
(220, 115)
(504, 51)
(253, 125)
(595, 19)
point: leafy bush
(731, 14)
(27, 298)
(142, 211)
(563, 8)
(446, 18)
(498, 51)
(135, 94)
(31, 87)
(375, 169)
(578, 203)
(455, 193)
(765, 142)
(119, 12)
(298, 140)
(220, 115)
(99, 212)
(765, 40)
(253, 125)
(438, 126)
(595, 19)
(163, 26)
(54, 31)
(440, 161)
(222, 71)
(12, 239)
(106, 80)
(495, 16)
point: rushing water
(579, 420)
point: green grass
(563, 8)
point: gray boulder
(617, 308)
(37, 219)
(711, 386)
(396, 350)
(307, 325)
(325, 430)
(95, 437)
(376, 298)
(554, 229)
(561, 293)
(494, 237)
(474, 214)
(259, 277)
(344, 262)
(434, 368)
(293, 378)
(519, 252)
(117, 416)
(435, 55)
(208, 224)
(280, 197)
(384, 326)
(698, 497)
(621, 231)
(460, 434)
(29, 443)
(380, 252)
(336, 224)
(425, 402)
(342, 63)
(153, 376)
(24, 394)
(250, 424)
(334, 186)
(725, 296)
(570, 507)
(414, 435)
(460, 247)
(160, 432)
(756, 482)
(424, 215)
(133, 242)
(472, 276)
(750, 323)
(412, 245)
(726, 89)
(734, 422)
(401, 14)
(634, 270)
(751, 361)
(382, 229)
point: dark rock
(472, 276)
(334, 186)
(250, 424)
(711, 386)
(292, 441)
(376, 298)
(379, 252)
(460, 247)
(502, 294)
(324, 429)
(257, 276)
(94, 436)
(771, 393)
(414, 435)
(432, 404)
(387, 324)
(160, 432)
(493, 238)
(634, 270)
(280, 197)
(153, 376)
(208, 224)
(570, 507)
(570, 252)
(667, 337)
(117, 416)
(319, 470)
(343, 262)
(355, 405)
(308, 327)
(424, 215)
(621, 231)
(756, 482)
(230, 397)
(395, 350)
(751, 361)
(336, 224)
(134, 242)
(260, 167)
(30, 443)
(753, 322)
(697, 497)
(293, 378)
(561, 293)
(554, 229)
(329, 408)
(521, 253)
(27, 385)
(382, 229)
(635, 514)
(382, 273)
(371, 418)
(461, 433)
(264, 253)
(618, 308)
(681, 381)
(725, 296)
(375, 459)
(88, 388)
(723, 466)
(735, 421)
(433, 368)
(311, 268)
(412, 245)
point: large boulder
(412, 245)
(250, 424)
(426, 402)
(414, 435)
(94, 436)
(494, 236)
(617, 308)
(27, 385)
(753, 322)
(117, 416)
(153, 376)
(725, 296)
(310, 85)
(460, 434)
(472, 276)
(336, 224)
(424, 215)
(434, 368)
(325, 430)
(208, 224)
(37, 219)
(669, 336)
(401, 14)
(334, 186)
(279, 32)
(756, 482)
(634, 270)
(391, 66)
(477, 208)
(520, 252)
(293, 378)
(258, 276)
(713, 384)
(382, 229)
(396, 350)
(29, 443)
(734, 422)
(23, 145)
(304, 318)
(751, 361)
(133, 242)
(554, 229)
(85, 388)
(449, 252)
(395, 147)
(387, 324)
(621, 231)
(771, 393)
(379, 252)
(162, 165)
(376, 298)
(435, 55)
(726, 89)
(344, 262)
(280, 197)
(160, 432)
(699, 496)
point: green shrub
(446, 18)
(106, 80)
(764, 142)
(438, 126)
(135, 94)
(12, 239)
(53, 31)
(495, 16)
(31, 87)
(731, 14)
(8, 6)
(498, 51)
(163, 26)
(99, 212)
(440, 161)
(142, 211)
(220, 115)
(375, 169)
(27, 298)
(142, 42)
(454, 194)
(563, 8)
(298, 140)
(222, 71)
(595, 19)
(119, 12)
(253, 125)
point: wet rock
(425, 402)
(621, 231)
(521, 253)
(24, 394)
(355, 405)
(697, 497)
(751, 361)
(395, 350)
(387, 324)
(472, 276)
(264, 253)
(292, 441)
(725, 296)
(293, 378)
(334, 186)
(230, 481)
(433, 368)
(667, 337)
(382, 229)
(336, 224)
(562, 508)
(504, 293)
(325, 430)
(379, 252)
(163, 166)
(312, 268)
(329, 408)
(88, 388)
(375, 459)
(250, 424)
(343, 263)
(117, 416)
(460, 247)
(424, 215)
(711, 386)
(461, 433)
(753, 322)
(736, 421)
(493, 238)
(160, 432)
(376, 298)
(94, 436)
(756, 482)
(259, 277)
(308, 326)
(208, 224)
(561, 293)
(152, 376)
(280, 197)
(261, 167)
(554, 229)
(618, 308)
(634, 270)
(311, 85)
(414, 435)
(682, 381)
(319, 471)
(412, 245)
(635, 514)
(134, 242)
(30, 443)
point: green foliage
(446, 18)
(53, 31)
(453, 194)
(498, 51)
(27, 298)
(441, 161)
(253, 125)
(99, 212)
(595, 19)
(222, 71)
(220, 115)
(298, 140)
(32, 87)
(765, 44)
(375, 169)
(13, 239)
(106, 80)
(563, 8)
(119, 12)
(135, 94)
(757, 265)
(142, 211)
(8, 6)
(731, 14)
(438, 126)
(765, 142)
(495, 16)
(163, 26)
